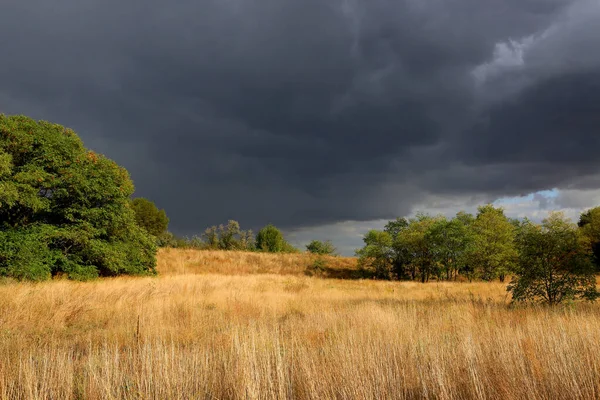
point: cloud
(313, 113)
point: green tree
(554, 263)
(64, 209)
(211, 237)
(449, 241)
(228, 235)
(399, 253)
(589, 223)
(493, 252)
(149, 217)
(319, 247)
(416, 241)
(376, 255)
(270, 239)
(246, 240)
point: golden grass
(268, 336)
(182, 261)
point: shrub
(319, 247)
(228, 237)
(317, 267)
(271, 240)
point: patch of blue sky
(550, 194)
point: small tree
(554, 263)
(319, 247)
(211, 237)
(149, 217)
(246, 241)
(228, 235)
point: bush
(270, 239)
(228, 237)
(317, 267)
(319, 247)
(64, 209)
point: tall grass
(266, 336)
(188, 261)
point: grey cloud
(310, 113)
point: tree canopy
(550, 262)
(63, 208)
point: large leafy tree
(150, 217)
(554, 263)
(63, 208)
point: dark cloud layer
(311, 112)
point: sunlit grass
(191, 333)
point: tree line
(66, 210)
(552, 261)
(227, 236)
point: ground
(224, 325)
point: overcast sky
(323, 117)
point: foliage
(271, 240)
(554, 263)
(493, 252)
(416, 240)
(73, 204)
(589, 223)
(227, 237)
(149, 217)
(317, 267)
(320, 247)
(450, 241)
(376, 255)
(399, 254)
(424, 247)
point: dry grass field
(246, 326)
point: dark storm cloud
(312, 112)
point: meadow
(232, 325)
